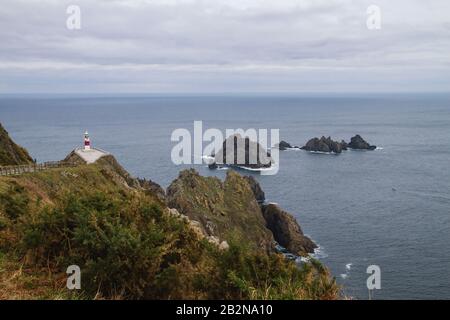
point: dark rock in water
(283, 145)
(153, 188)
(243, 153)
(256, 189)
(286, 230)
(344, 145)
(324, 145)
(357, 142)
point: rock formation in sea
(324, 145)
(286, 230)
(10, 152)
(224, 209)
(244, 153)
(235, 207)
(283, 145)
(357, 142)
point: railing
(34, 167)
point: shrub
(127, 246)
(14, 202)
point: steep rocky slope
(10, 152)
(235, 208)
(224, 209)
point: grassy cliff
(130, 245)
(10, 152)
(225, 209)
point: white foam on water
(348, 267)
(273, 167)
(319, 252)
(321, 152)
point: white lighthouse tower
(87, 142)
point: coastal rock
(225, 209)
(283, 145)
(324, 145)
(256, 189)
(357, 142)
(244, 153)
(286, 230)
(10, 152)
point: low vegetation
(128, 247)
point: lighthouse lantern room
(87, 141)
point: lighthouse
(87, 141)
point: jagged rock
(224, 209)
(357, 142)
(199, 230)
(256, 189)
(283, 145)
(10, 152)
(286, 230)
(324, 145)
(253, 154)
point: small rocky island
(255, 156)
(324, 145)
(327, 145)
(358, 143)
(283, 145)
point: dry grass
(18, 282)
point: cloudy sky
(221, 46)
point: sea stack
(242, 152)
(323, 144)
(358, 143)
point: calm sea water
(389, 207)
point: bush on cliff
(128, 246)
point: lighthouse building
(87, 141)
(87, 152)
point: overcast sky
(151, 46)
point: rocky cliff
(130, 245)
(225, 209)
(235, 208)
(286, 230)
(10, 152)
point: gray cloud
(224, 46)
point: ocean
(389, 207)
